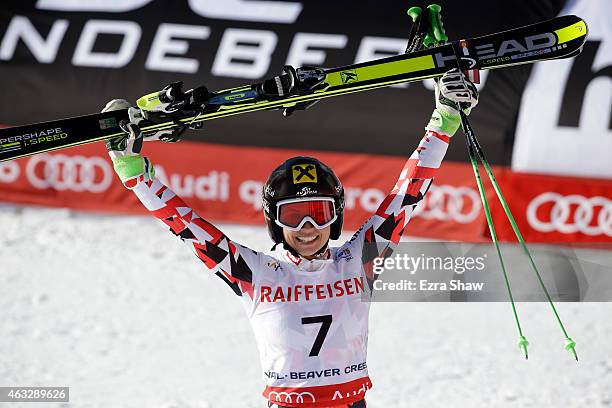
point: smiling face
(308, 240)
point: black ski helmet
(301, 177)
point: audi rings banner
(547, 208)
(553, 208)
(230, 190)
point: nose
(307, 226)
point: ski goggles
(295, 212)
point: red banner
(556, 209)
(223, 183)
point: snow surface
(119, 310)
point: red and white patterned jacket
(310, 318)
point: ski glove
(124, 151)
(453, 90)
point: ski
(561, 37)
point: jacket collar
(309, 265)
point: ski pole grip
(435, 18)
(435, 8)
(414, 13)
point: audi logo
(9, 172)
(592, 216)
(288, 396)
(450, 203)
(74, 173)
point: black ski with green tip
(561, 37)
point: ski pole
(467, 130)
(415, 38)
(427, 30)
(437, 36)
(473, 143)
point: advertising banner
(224, 184)
(556, 209)
(565, 121)
(66, 58)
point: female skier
(307, 303)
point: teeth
(306, 239)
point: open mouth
(307, 239)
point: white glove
(456, 88)
(124, 145)
(124, 151)
(453, 90)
